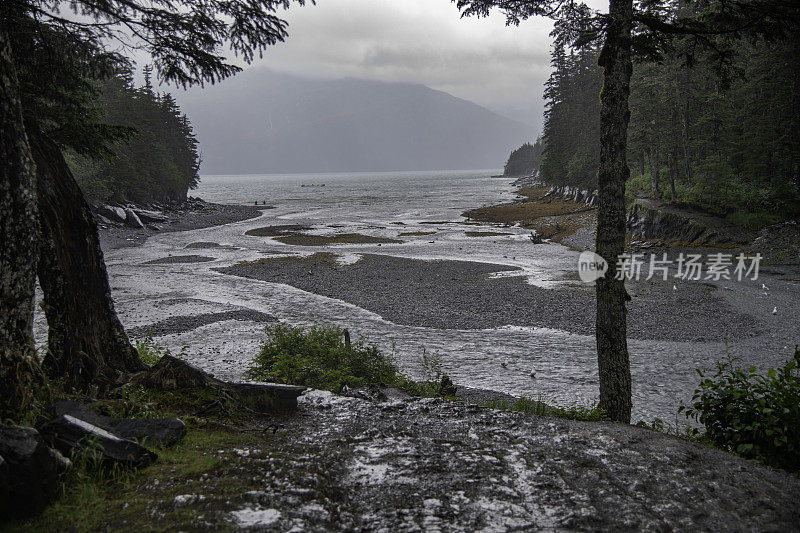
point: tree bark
(87, 343)
(612, 346)
(683, 111)
(653, 156)
(18, 250)
(672, 163)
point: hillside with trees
(525, 160)
(157, 160)
(726, 142)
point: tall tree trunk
(641, 162)
(672, 163)
(653, 152)
(683, 112)
(612, 346)
(17, 244)
(87, 343)
(794, 141)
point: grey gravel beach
(462, 295)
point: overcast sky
(421, 41)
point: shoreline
(191, 215)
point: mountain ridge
(264, 121)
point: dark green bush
(320, 358)
(754, 415)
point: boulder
(146, 215)
(171, 372)
(157, 431)
(266, 397)
(29, 471)
(112, 213)
(67, 434)
(132, 219)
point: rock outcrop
(29, 471)
(155, 431)
(67, 434)
(173, 373)
(575, 194)
(650, 219)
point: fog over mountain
(262, 121)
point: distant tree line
(525, 160)
(158, 158)
(726, 141)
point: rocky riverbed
(469, 295)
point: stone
(267, 397)
(146, 215)
(29, 472)
(155, 431)
(172, 373)
(112, 213)
(68, 434)
(132, 219)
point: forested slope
(157, 161)
(728, 143)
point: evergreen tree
(52, 91)
(525, 160)
(644, 29)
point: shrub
(150, 352)
(754, 415)
(320, 358)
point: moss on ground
(552, 218)
(96, 497)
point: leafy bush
(754, 415)
(150, 352)
(320, 358)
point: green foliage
(576, 411)
(320, 358)
(150, 351)
(571, 137)
(524, 160)
(726, 145)
(158, 162)
(752, 414)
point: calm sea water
(565, 364)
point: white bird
(764, 286)
(533, 374)
(674, 287)
(774, 310)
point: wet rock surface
(192, 214)
(655, 219)
(151, 431)
(29, 471)
(461, 295)
(68, 433)
(347, 464)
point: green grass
(527, 405)
(150, 351)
